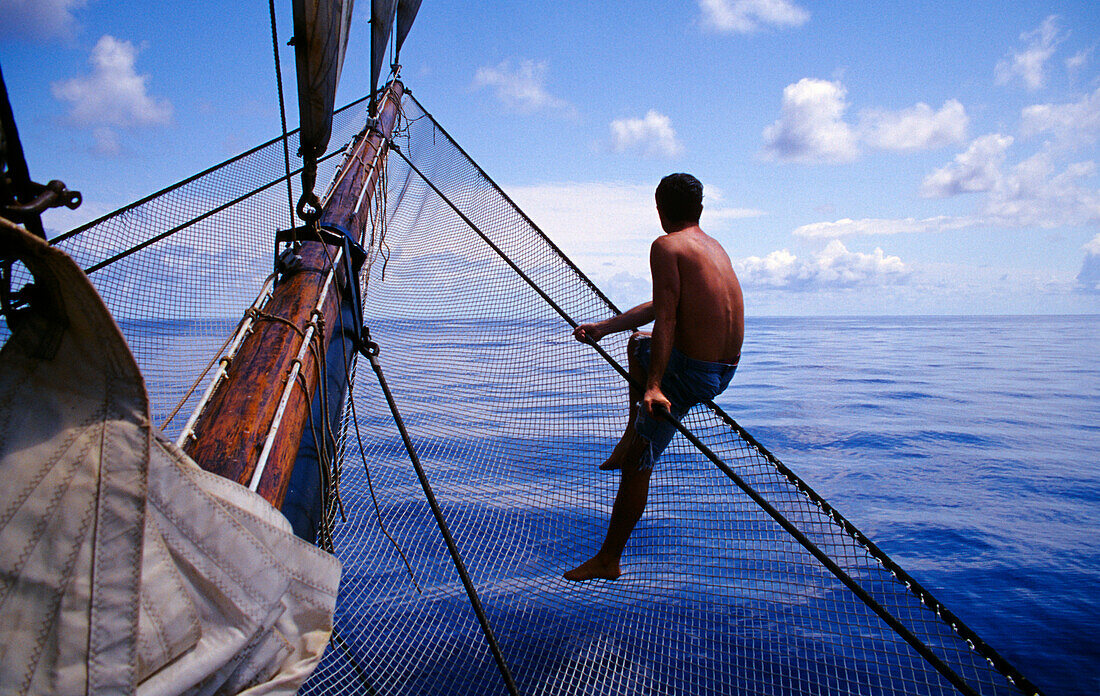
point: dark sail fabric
(381, 25)
(467, 301)
(406, 13)
(320, 39)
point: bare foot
(615, 460)
(593, 568)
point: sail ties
(314, 331)
(261, 315)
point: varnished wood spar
(231, 430)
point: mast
(251, 425)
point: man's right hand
(589, 332)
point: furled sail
(381, 24)
(320, 38)
(383, 15)
(406, 14)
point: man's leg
(629, 505)
(637, 372)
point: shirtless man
(699, 325)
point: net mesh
(510, 418)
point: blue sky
(858, 158)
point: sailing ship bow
(270, 397)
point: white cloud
(774, 270)
(105, 142)
(38, 20)
(606, 228)
(1029, 63)
(833, 267)
(915, 128)
(652, 135)
(1076, 62)
(522, 88)
(1088, 280)
(1076, 123)
(114, 94)
(848, 227)
(1035, 194)
(977, 169)
(747, 16)
(711, 214)
(811, 126)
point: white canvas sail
(124, 567)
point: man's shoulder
(662, 244)
(681, 242)
(676, 240)
(666, 250)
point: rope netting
(179, 268)
(471, 306)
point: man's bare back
(710, 313)
(697, 312)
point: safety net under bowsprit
(739, 579)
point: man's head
(679, 201)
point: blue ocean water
(968, 448)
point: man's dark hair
(680, 198)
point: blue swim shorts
(686, 382)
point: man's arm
(666, 299)
(630, 319)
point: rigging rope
(723, 598)
(282, 109)
(376, 219)
(195, 385)
(802, 539)
(374, 496)
(371, 350)
(179, 228)
(331, 499)
(977, 645)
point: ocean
(968, 448)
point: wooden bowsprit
(249, 427)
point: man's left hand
(656, 403)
